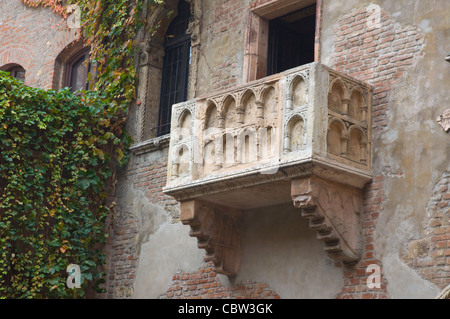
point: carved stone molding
(150, 145)
(218, 230)
(333, 211)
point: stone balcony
(303, 135)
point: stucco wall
(280, 249)
(410, 148)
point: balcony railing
(274, 140)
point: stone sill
(151, 145)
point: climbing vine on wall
(109, 28)
(59, 153)
(56, 154)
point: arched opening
(297, 133)
(15, 70)
(211, 120)
(77, 70)
(267, 137)
(185, 125)
(72, 67)
(230, 112)
(357, 145)
(249, 107)
(299, 91)
(334, 138)
(228, 150)
(356, 106)
(247, 146)
(335, 98)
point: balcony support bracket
(218, 230)
(333, 211)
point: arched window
(176, 66)
(16, 71)
(77, 71)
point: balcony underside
(264, 186)
(331, 200)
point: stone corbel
(333, 211)
(218, 230)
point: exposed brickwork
(122, 257)
(378, 54)
(204, 284)
(229, 25)
(149, 177)
(430, 255)
(21, 43)
(256, 3)
(355, 277)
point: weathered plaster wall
(411, 150)
(407, 68)
(151, 247)
(281, 258)
(405, 223)
(280, 249)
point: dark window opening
(291, 40)
(77, 71)
(175, 68)
(17, 72)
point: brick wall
(35, 49)
(228, 24)
(148, 174)
(205, 284)
(430, 255)
(150, 177)
(355, 277)
(378, 54)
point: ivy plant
(57, 155)
(59, 152)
